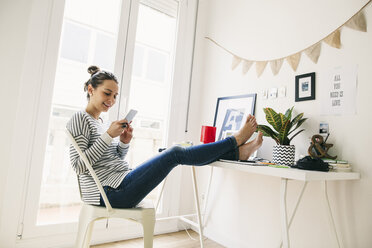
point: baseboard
(99, 236)
(220, 238)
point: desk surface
(296, 174)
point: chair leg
(84, 234)
(85, 229)
(148, 224)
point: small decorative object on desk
(309, 163)
(284, 125)
(319, 148)
(338, 165)
(183, 144)
(208, 134)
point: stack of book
(338, 165)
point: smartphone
(129, 117)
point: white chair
(143, 213)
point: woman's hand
(127, 134)
(116, 128)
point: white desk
(285, 174)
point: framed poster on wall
(231, 113)
(305, 87)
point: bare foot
(246, 150)
(246, 131)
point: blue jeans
(143, 179)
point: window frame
(34, 101)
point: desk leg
(295, 209)
(283, 212)
(160, 195)
(329, 212)
(196, 196)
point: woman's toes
(249, 118)
(246, 131)
(246, 150)
(260, 134)
(259, 138)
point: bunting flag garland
(246, 66)
(357, 22)
(313, 52)
(294, 60)
(235, 62)
(276, 65)
(334, 39)
(260, 67)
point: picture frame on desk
(231, 113)
(305, 87)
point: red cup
(208, 134)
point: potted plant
(284, 126)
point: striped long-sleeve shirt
(105, 154)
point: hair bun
(93, 69)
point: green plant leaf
(288, 113)
(282, 124)
(273, 118)
(283, 119)
(267, 131)
(283, 134)
(286, 141)
(297, 119)
(299, 123)
(296, 134)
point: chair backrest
(90, 168)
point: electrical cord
(204, 238)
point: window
(52, 185)
(150, 63)
(150, 89)
(138, 60)
(84, 42)
(156, 65)
(104, 51)
(75, 43)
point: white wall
(246, 207)
(26, 25)
(13, 27)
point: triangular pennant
(276, 65)
(358, 22)
(334, 39)
(260, 67)
(313, 52)
(246, 66)
(294, 60)
(235, 62)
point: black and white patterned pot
(284, 155)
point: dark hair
(97, 77)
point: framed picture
(305, 87)
(231, 113)
(323, 128)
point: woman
(106, 147)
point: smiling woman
(102, 90)
(78, 39)
(84, 40)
